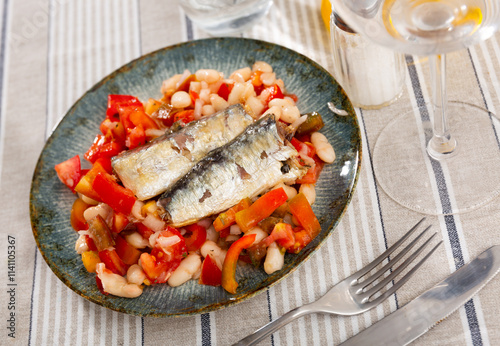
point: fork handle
(273, 326)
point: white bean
(262, 66)
(289, 190)
(249, 91)
(115, 284)
(211, 248)
(275, 259)
(135, 274)
(81, 244)
(154, 223)
(137, 210)
(324, 150)
(205, 95)
(255, 105)
(289, 113)
(236, 94)
(268, 78)
(207, 110)
(241, 75)
(88, 200)
(218, 102)
(273, 110)
(185, 271)
(195, 86)
(208, 75)
(101, 209)
(137, 240)
(170, 84)
(309, 191)
(180, 99)
(259, 234)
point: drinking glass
(447, 146)
(225, 17)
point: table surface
(53, 51)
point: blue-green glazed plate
(51, 201)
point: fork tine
(396, 271)
(393, 261)
(384, 255)
(404, 279)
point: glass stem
(442, 143)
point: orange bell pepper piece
(301, 209)
(228, 217)
(228, 280)
(260, 209)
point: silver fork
(352, 296)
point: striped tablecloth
(52, 51)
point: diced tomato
(223, 233)
(102, 147)
(139, 117)
(77, 220)
(105, 163)
(194, 96)
(84, 186)
(144, 231)
(228, 279)
(302, 238)
(120, 221)
(113, 130)
(128, 254)
(169, 250)
(260, 209)
(210, 273)
(120, 199)
(312, 174)
(69, 172)
(154, 268)
(195, 236)
(257, 82)
(274, 93)
(117, 101)
(303, 148)
(136, 137)
(100, 233)
(225, 90)
(282, 234)
(186, 116)
(301, 209)
(227, 218)
(113, 262)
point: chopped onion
(153, 223)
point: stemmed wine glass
(452, 143)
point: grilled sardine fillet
(252, 163)
(151, 169)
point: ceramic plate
(50, 201)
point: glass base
(461, 183)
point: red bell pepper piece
(120, 199)
(195, 236)
(69, 172)
(260, 209)
(77, 220)
(228, 279)
(113, 262)
(210, 273)
(128, 254)
(301, 209)
(90, 243)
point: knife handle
(273, 326)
